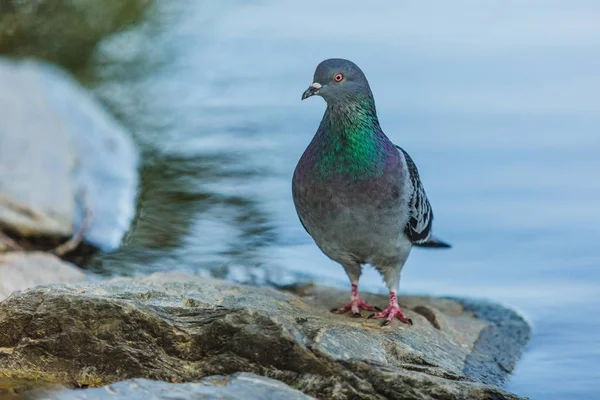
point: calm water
(498, 103)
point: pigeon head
(338, 81)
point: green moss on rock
(63, 31)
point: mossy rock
(63, 31)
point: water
(497, 102)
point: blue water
(498, 103)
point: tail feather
(434, 242)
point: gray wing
(418, 228)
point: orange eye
(338, 77)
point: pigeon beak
(312, 90)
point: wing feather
(420, 220)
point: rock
(20, 271)
(240, 386)
(63, 31)
(181, 328)
(61, 155)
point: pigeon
(357, 194)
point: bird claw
(386, 322)
(355, 305)
(391, 312)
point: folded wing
(418, 228)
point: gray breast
(353, 221)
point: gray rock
(175, 327)
(240, 386)
(60, 154)
(20, 271)
(63, 31)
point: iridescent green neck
(351, 141)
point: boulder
(240, 386)
(20, 271)
(62, 158)
(63, 31)
(181, 328)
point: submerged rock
(240, 386)
(20, 271)
(63, 31)
(180, 328)
(61, 157)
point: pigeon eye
(338, 77)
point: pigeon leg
(355, 305)
(391, 277)
(391, 311)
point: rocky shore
(180, 328)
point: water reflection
(183, 224)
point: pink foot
(390, 312)
(355, 305)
